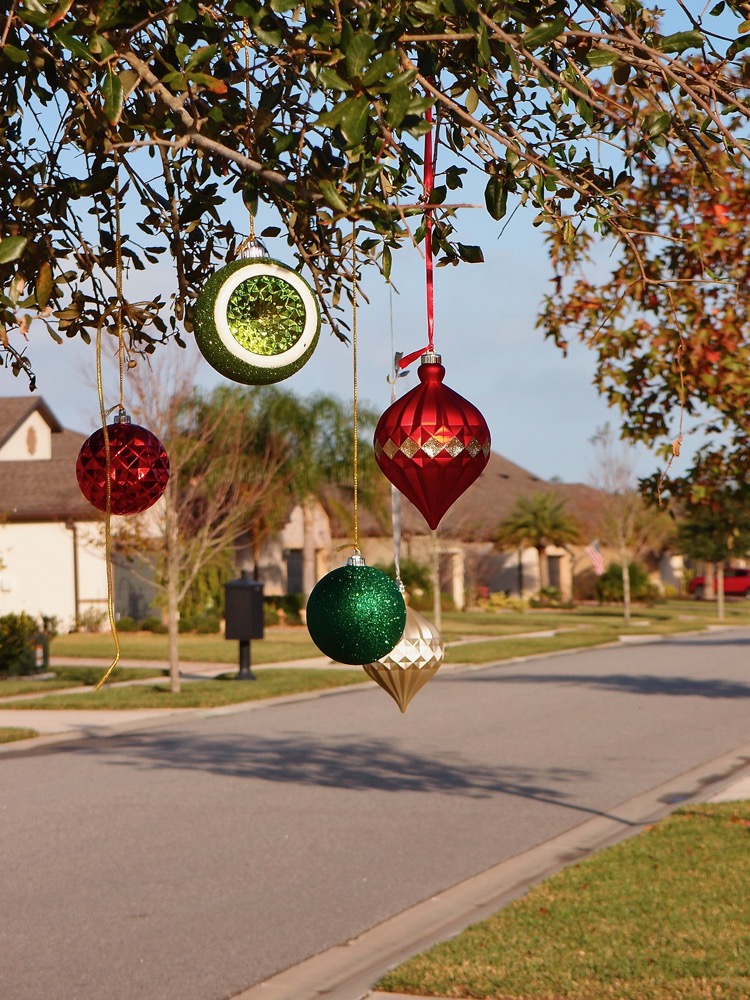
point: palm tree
(318, 431)
(538, 520)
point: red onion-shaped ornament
(432, 443)
(139, 467)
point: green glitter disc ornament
(256, 320)
(356, 614)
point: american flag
(595, 555)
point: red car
(736, 582)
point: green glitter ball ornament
(356, 614)
(256, 320)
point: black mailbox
(243, 608)
(243, 616)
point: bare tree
(626, 523)
(226, 469)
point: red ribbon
(429, 183)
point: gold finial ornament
(415, 659)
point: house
(469, 563)
(51, 539)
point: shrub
(127, 624)
(415, 576)
(153, 624)
(50, 625)
(550, 597)
(207, 624)
(283, 609)
(500, 601)
(90, 620)
(17, 634)
(609, 584)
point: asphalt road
(191, 861)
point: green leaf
(680, 41)
(99, 181)
(79, 49)
(400, 80)
(268, 36)
(386, 262)
(12, 248)
(282, 6)
(186, 12)
(331, 195)
(328, 77)
(15, 55)
(36, 13)
(200, 56)
(358, 53)
(602, 57)
(354, 118)
(656, 123)
(472, 255)
(543, 33)
(380, 68)
(100, 47)
(113, 97)
(585, 110)
(496, 197)
(330, 118)
(398, 105)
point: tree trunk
(543, 567)
(625, 588)
(437, 607)
(520, 572)
(709, 582)
(173, 623)
(172, 568)
(309, 574)
(720, 591)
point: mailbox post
(243, 603)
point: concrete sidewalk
(73, 723)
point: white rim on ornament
(260, 269)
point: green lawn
(201, 694)
(289, 644)
(503, 636)
(67, 677)
(9, 734)
(591, 625)
(662, 916)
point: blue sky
(542, 409)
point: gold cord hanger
(104, 413)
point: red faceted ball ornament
(432, 443)
(139, 468)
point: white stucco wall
(37, 575)
(32, 441)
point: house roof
(15, 409)
(43, 489)
(476, 514)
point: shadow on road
(362, 764)
(624, 683)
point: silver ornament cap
(252, 249)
